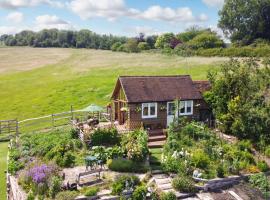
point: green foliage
(105, 137)
(200, 159)
(164, 40)
(220, 171)
(66, 195)
(247, 21)
(55, 186)
(261, 182)
(124, 165)
(30, 196)
(116, 46)
(135, 146)
(262, 165)
(168, 196)
(206, 40)
(90, 192)
(174, 165)
(139, 193)
(143, 46)
(132, 46)
(238, 99)
(267, 151)
(14, 166)
(124, 182)
(183, 183)
(190, 33)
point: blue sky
(119, 17)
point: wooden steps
(156, 139)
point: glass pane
(145, 109)
(182, 107)
(189, 105)
(171, 109)
(152, 109)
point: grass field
(3, 166)
(35, 82)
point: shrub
(105, 137)
(73, 133)
(123, 165)
(135, 145)
(139, 193)
(66, 195)
(245, 145)
(143, 46)
(91, 192)
(252, 169)
(220, 171)
(14, 166)
(116, 46)
(30, 196)
(124, 182)
(168, 196)
(183, 183)
(267, 152)
(261, 182)
(55, 186)
(200, 159)
(174, 165)
(262, 165)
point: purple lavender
(40, 173)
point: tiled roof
(202, 86)
(158, 88)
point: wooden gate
(8, 128)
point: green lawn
(3, 166)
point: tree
(151, 40)
(115, 46)
(206, 40)
(132, 45)
(240, 99)
(245, 20)
(190, 33)
(164, 40)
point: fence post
(71, 110)
(17, 131)
(52, 120)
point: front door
(170, 112)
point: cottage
(151, 101)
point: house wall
(136, 120)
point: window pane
(189, 105)
(171, 109)
(145, 109)
(153, 109)
(182, 107)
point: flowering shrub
(124, 182)
(38, 178)
(135, 145)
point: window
(149, 110)
(171, 108)
(186, 107)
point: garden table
(90, 161)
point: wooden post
(52, 120)
(17, 130)
(71, 110)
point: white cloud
(15, 4)
(113, 9)
(9, 30)
(51, 21)
(214, 3)
(147, 30)
(15, 17)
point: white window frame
(185, 106)
(149, 108)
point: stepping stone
(234, 195)
(165, 186)
(204, 196)
(163, 181)
(157, 171)
(109, 198)
(160, 176)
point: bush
(123, 165)
(139, 193)
(124, 182)
(115, 46)
(168, 196)
(14, 166)
(261, 182)
(105, 137)
(66, 195)
(200, 159)
(30, 196)
(262, 165)
(245, 145)
(135, 145)
(143, 46)
(174, 165)
(55, 186)
(220, 171)
(183, 183)
(91, 192)
(267, 152)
